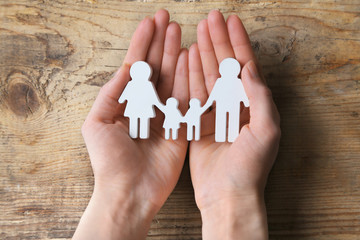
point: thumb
(106, 105)
(264, 116)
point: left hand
(134, 177)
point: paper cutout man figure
(141, 97)
(193, 119)
(228, 92)
(173, 118)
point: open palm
(152, 165)
(230, 170)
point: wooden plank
(55, 55)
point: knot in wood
(23, 99)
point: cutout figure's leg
(189, 132)
(133, 127)
(174, 132)
(167, 133)
(144, 128)
(220, 126)
(234, 123)
(197, 132)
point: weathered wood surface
(55, 55)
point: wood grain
(55, 55)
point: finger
(137, 51)
(106, 106)
(171, 52)
(197, 85)
(155, 53)
(207, 53)
(263, 113)
(219, 36)
(181, 81)
(240, 42)
(198, 90)
(140, 41)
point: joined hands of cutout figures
(228, 93)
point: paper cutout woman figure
(173, 118)
(193, 119)
(141, 98)
(228, 92)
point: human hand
(229, 178)
(133, 178)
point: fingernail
(124, 67)
(253, 70)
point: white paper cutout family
(141, 98)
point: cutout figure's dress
(140, 105)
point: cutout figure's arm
(124, 96)
(159, 105)
(204, 108)
(210, 100)
(155, 99)
(185, 118)
(246, 101)
(208, 103)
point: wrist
(110, 215)
(130, 215)
(235, 217)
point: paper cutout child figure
(173, 118)
(193, 119)
(141, 98)
(228, 92)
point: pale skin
(229, 178)
(134, 177)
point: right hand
(226, 175)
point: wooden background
(55, 55)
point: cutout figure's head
(140, 71)
(229, 67)
(194, 102)
(172, 102)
